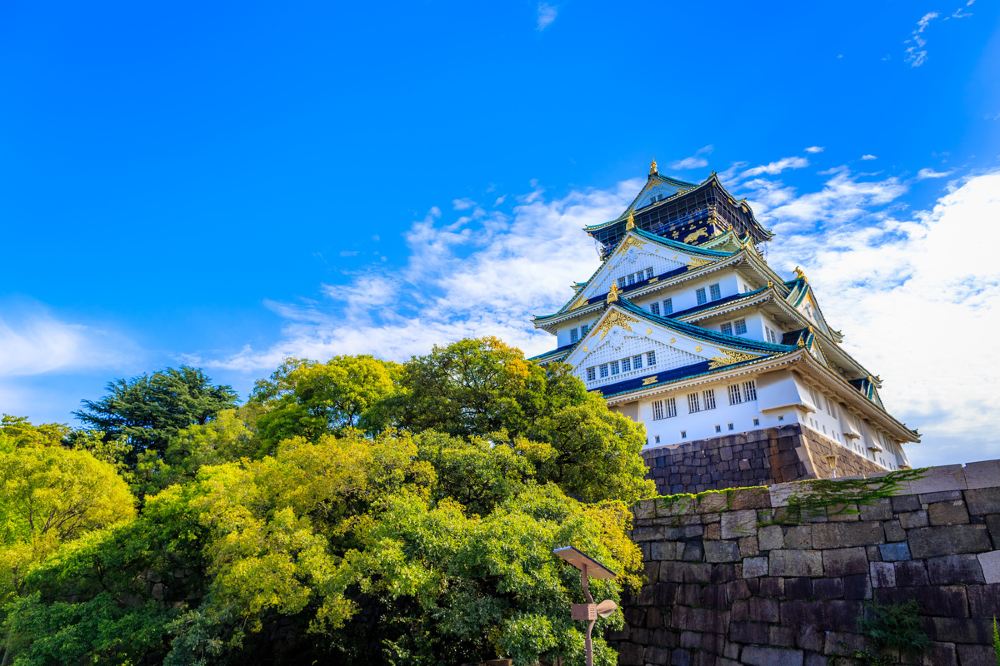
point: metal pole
(588, 645)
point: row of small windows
(714, 293)
(718, 427)
(626, 364)
(705, 400)
(576, 333)
(632, 278)
(738, 327)
(668, 307)
(771, 336)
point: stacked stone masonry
(760, 457)
(728, 581)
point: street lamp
(588, 612)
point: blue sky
(228, 184)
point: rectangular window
(651, 359)
(637, 361)
(730, 426)
(756, 422)
(654, 308)
(668, 306)
(750, 390)
(626, 364)
(671, 405)
(657, 410)
(715, 291)
(604, 370)
(621, 283)
(718, 428)
(694, 404)
(740, 326)
(700, 294)
(630, 279)
(584, 329)
(735, 396)
(771, 337)
(727, 328)
(574, 335)
(684, 434)
(614, 367)
(591, 373)
(649, 273)
(709, 395)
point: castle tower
(734, 371)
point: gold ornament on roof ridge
(630, 221)
(613, 293)
(729, 358)
(615, 318)
(653, 170)
(800, 274)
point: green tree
(309, 399)
(147, 410)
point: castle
(734, 371)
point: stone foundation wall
(735, 578)
(760, 457)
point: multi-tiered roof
(698, 230)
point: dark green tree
(148, 410)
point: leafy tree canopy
(146, 411)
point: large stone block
(878, 510)
(795, 563)
(938, 479)
(844, 561)
(912, 573)
(984, 600)
(883, 574)
(983, 500)
(943, 600)
(843, 644)
(799, 536)
(950, 569)
(990, 563)
(976, 655)
(948, 539)
(754, 567)
(985, 474)
(721, 551)
(737, 524)
(894, 552)
(913, 519)
(959, 629)
(841, 535)
(770, 537)
(769, 656)
(828, 588)
(948, 513)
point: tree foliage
(146, 411)
(354, 511)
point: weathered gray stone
(911, 573)
(721, 551)
(880, 509)
(782, 492)
(913, 519)
(938, 479)
(983, 474)
(645, 510)
(828, 588)
(748, 547)
(948, 539)
(767, 656)
(737, 524)
(843, 644)
(883, 574)
(984, 600)
(754, 567)
(666, 550)
(844, 561)
(841, 535)
(903, 503)
(983, 500)
(894, 552)
(948, 513)
(976, 655)
(939, 654)
(795, 563)
(893, 531)
(944, 496)
(990, 563)
(993, 523)
(950, 569)
(799, 536)
(770, 537)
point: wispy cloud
(916, 53)
(926, 173)
(868, 157)
(814, 149)
(546, 15)
(33, 341)
(774, 168)
(696, 161)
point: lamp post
(588, 612)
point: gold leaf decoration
(728, 358)
(696, 263)
(649, 380)
(630, 241)
(615, 318)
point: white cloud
(814, 149)
(696, 161)
(867, 157)
(916, 301)
(546, 15)
(485, 277)
(916, 53)
(462, 204)
(926, 173)
(774, 168)
(33, 342)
